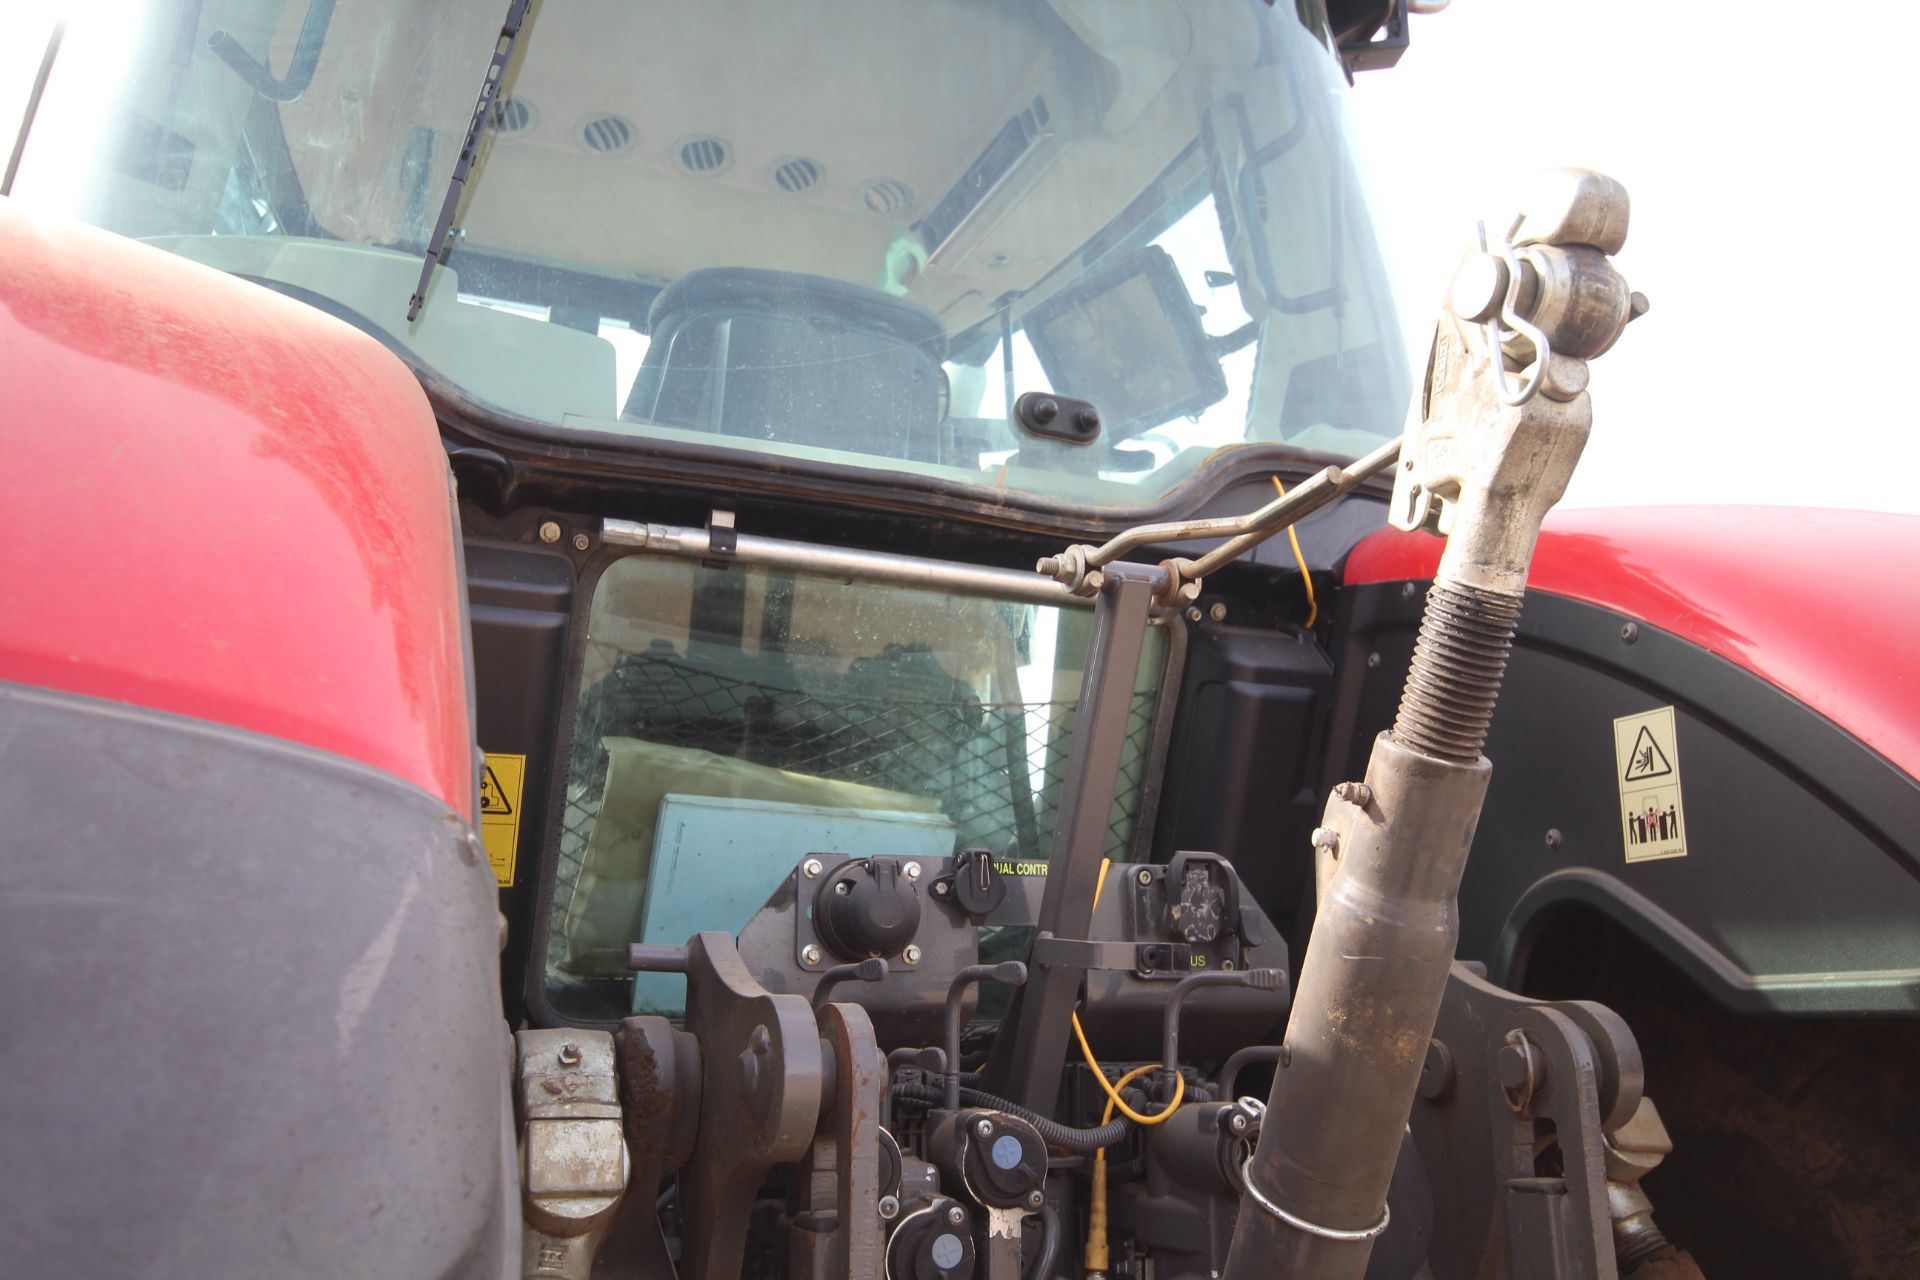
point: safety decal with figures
(1647, 767)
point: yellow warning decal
(500, 786)
(1646, 756)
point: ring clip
(1301, 1224)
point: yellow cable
(1096, 1254)
(1125, 1080)
(1313, 606)
(1113, 1092)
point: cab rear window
(731, 720)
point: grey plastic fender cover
(251, 1004)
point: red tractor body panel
(1818, 603)
(221, 503)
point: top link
(1504, 415)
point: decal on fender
(500, 785)
(1653, 822)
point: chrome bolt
(1327, 838)
(1553, 837)
(1630, 632)
(1373, 660)
(1194, 614)
(581, 542)
(912, 954)
(1226, 964)
(889, 1207)
(569, 1055)
(549, 531)
(940, 888)
(1036, 1198)
(1143, 878)
(1406, 591)
(810, 954)
(911, 871)
(956, 1215)
(810, 868)
(1237, 1123)
(1218, 612)
(983, 1129)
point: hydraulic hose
(1051, 1131)
(1042, 1268)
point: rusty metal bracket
(574, 1163)
(1502, 1074)
(1557, 1223)
(838, 1224)
(659, 1069)
(761, 1076)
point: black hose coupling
(1011, 972)
(1258, 979)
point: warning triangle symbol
(1646, 760)
(493, 799)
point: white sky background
(1771, 160)
(1772, 163)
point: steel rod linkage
(1079, 568)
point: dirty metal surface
(761, 1077)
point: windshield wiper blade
(437, 244)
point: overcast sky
(1771, 162)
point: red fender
(219, 502)
(1823, 604)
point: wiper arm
(437, 244)
(33, 105)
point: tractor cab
(928, 806)
(1037, 267)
